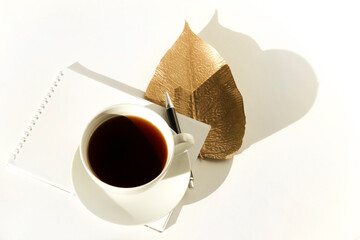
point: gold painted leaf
(202, 87)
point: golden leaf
(202, 87)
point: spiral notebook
(47, 147)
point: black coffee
(127, 151)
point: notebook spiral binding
(36, 116)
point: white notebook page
(49, 149)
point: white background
(296, 64)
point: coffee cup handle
(183, 141)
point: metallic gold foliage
(202, 87)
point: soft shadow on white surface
(209, 175)
(278, 86)
(77, 67)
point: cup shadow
(278, 87)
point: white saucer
(145, 207)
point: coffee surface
(127, 151)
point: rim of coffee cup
(111, 112)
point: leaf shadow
(278, 87)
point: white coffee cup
(175, 143)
